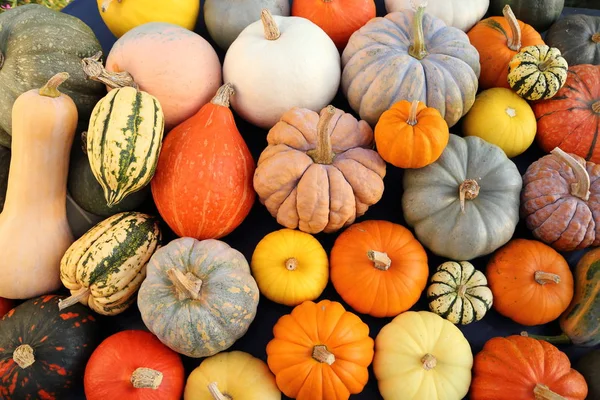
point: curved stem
(543, 392)
(23, 356)
(596, 37)
(291, 264)
(596, 107)
(429, 361)
(50, 89)
(188, 285)
(323, 154)
(380, 260)
(94, 70)
(412, 115)
(321, 354)
(146, 378)
(271, 29)
(216, 393)
(514, 42)
(417, 48)
(581, 188)
(73, 299)
(542, 277)
(560, 339)
(223, 95)
(468, 190)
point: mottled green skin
(224, 310)
(38, 43)
(4, 167)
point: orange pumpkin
(411, 135)
(320, 352)
(531, 282)
(519, 368)
(338, 18)
(379, 268)
(498, 39)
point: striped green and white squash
(124, 139)
(459, 293)
(106, 266)
(537, 72)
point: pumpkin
(318, 173)
(231, 375)
(411, 135)
(203, 182)
(499, 116)
(588, 366)
(540, 14)
(35, 214)
(378, 268)
(560, 202)
(37, 43)
(202, 287)
(420, 356)
(104, 268)
(577, 37)
(290, 267)
(122, 16)
(4, 170)
(498, 39)
(531, 282)
(466, 204)
(278, 63)
(134, 365)
(320, 351)
(183, 77)
(339, 19)
(43, 351)
(5, 306)
(410, 56)
(459, 293)
(226, 19)
(571, 119)
(517, 367)
(461, 14)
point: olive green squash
(35, 44)
(540, 14)
(589, 367)
(577, 37)
(466, 204)
(198, 297)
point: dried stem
(270, 26)
(291, 264)
(188, 285)
(223, 95)
(94, 70)
(596, 37)
(23, 356)
(50, 89)
(321, 354)
(380, 260)
(429, 361)
(412, 115)
(596, 107)
(581, 188)
(146, 378)
(73, 299)
(543, 392)
(514, 42)
(216, 393)
(543, 278)
(323, 154)
(468, 190)
(417, 48)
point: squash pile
(412, 178)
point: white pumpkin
(461, 14)
(279, 63)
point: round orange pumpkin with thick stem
(379, 268)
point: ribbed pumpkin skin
(224, 309)
(110, 261)
(36, 41)
(378, 70)
(577, 37)
(124, 140)
(62, 343)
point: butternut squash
(34, 231)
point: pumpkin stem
(105, 5)
(223, 95)
(462, 290)
(581, 188)
(271, 29)
(412, 115)
(468, 190)
(417, 49)
(560, 339)
(291, 264)
(95, 71)
(380, 260)
(429, 361)
(514, 41)
(323, 154)
(543, 392)
(216, 393)
(23, 356)
(596, 37)
(73, 299)
(321, 354)
(542, 277)
(544, 65)
(188, 285)
(146, 378)
(596, 107)
(50, 89)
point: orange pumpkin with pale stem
(411, 135)
(379, 268)
(519, 368)
(498, 39)
(320, 352)
(531, 282)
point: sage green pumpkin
(410, 55)
(540, 14)
(198, 297)
(466, 204)
(35, 44)
(577, 37)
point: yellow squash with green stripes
(106, 266)
(124, 139)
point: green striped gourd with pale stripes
(106, 266)
(124, 139)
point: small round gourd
(459, 293)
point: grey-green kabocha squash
(540, 14)
(577, 37)
(473, 174)
(35, 44)
(225, 19)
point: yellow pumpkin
(501, 117)
(290, 267)
(121, 16)
(231, 375)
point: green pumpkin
(577, 37)
(540, 14)
(35, 44)
(198, 297)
